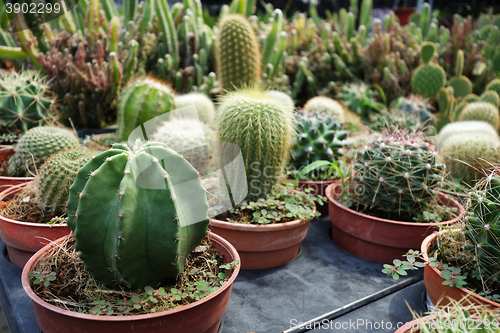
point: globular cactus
(482, 227)
(396, 117)
(360, 99)
(460, 83)
(428, 78)
(398, 172)
(56, 177)
(472, 126)
(204, 105)
(490, 96)
(470, 98)
(481, 111)
(416, 106)
(494, 85)
(133, 216)
(237, 55)
(36, 146)
(140, 101)
(263, 130)
(320, 137)
(281, 98)
(467, 154)
(188, 138)
(25, 100)
(326, 105)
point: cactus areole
(136, 214)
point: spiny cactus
(326, 105)
(460, 83)
(398, 172)
(56, 176)
(396, 117)
(360, 99)
(472, 126)
(263, 131)
(140, 101)
(471, 98)
(281, 99)
(416, 106)
(25, 100)
(134, 221)
(494, 85)
(490, 96)
(36, 146)
(428, 78)
(237, 53)
(204, 105)
(481, 111)
(189, 138)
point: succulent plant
(134, 221)
(237, 53)
(360, 99)
(481, 111)
(464, 127)
(204, 105)
(326, 105)
(460, 83)
(281, 98)
(395, 117)
(56, 176)
(36, 146)
(25, 101)
(494, 85)
(187, 138)
(428, 78)
(397, 172)
(416, 106)
(490, 96)
(263, 130)
(140, 101)
(470, 98)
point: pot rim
(381, 220)
(319, 182)
(258, 228)
(5, 148)
(34, 298)
(427, 242)
(4, 219)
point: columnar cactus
(481, 111)
(36, 146)
(133, 216)
(263, 130)
(56, 176)
(237, 53)
(25, 100)
(140, 101)
(204, 105)
(326, 105)
(397, 171)
(428, 78)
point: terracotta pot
(378, 239)
(412, 326)
(5, 182)
(203, 316)
(403, 14)
(23, 239)
(434, 283)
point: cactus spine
(428, 78)
(204, 105)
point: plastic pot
(203, 316)
(403, 14)
(378, 239)
(5, 181)
(23, 239)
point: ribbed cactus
(263, 131)
(185, 137)
(36, 146)
(397, 172)
(140, 101)
(237, 53)
(490, 96)
(464, 127)
(25, 100)
(482, 224)
(204, 105)
(428, 78)
(460, 83)
(133, 216)
(56, 177)
(326, 105)
(481, 111)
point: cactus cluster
(36, 146)
(397, 172)
(326, 105)
(134, 220)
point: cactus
(184, 136)
(56, 176)
(204, 105)
(326, 105)
(396, 117)
(398, 172)
(491, 97)
(36, 146)
(481, 111)
(494, 85)
(472, 126)
(428, 78)
(460, 83)
(360, 99)
(263, 131)
(25, 100)
(237, 53)
(416, 106)
(281, 99)
(467, 154)
(135, 228)
(140, 101)
(470, 98)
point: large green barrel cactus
(237, 53)
(483, 111)
(25, 100)
(326, 105)
(398, 172)
(140, 101)
(36, 146)
(136, 214)
(204, 105)
(428, 78)
(471, 126)
(57, 175)
(263, 131)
